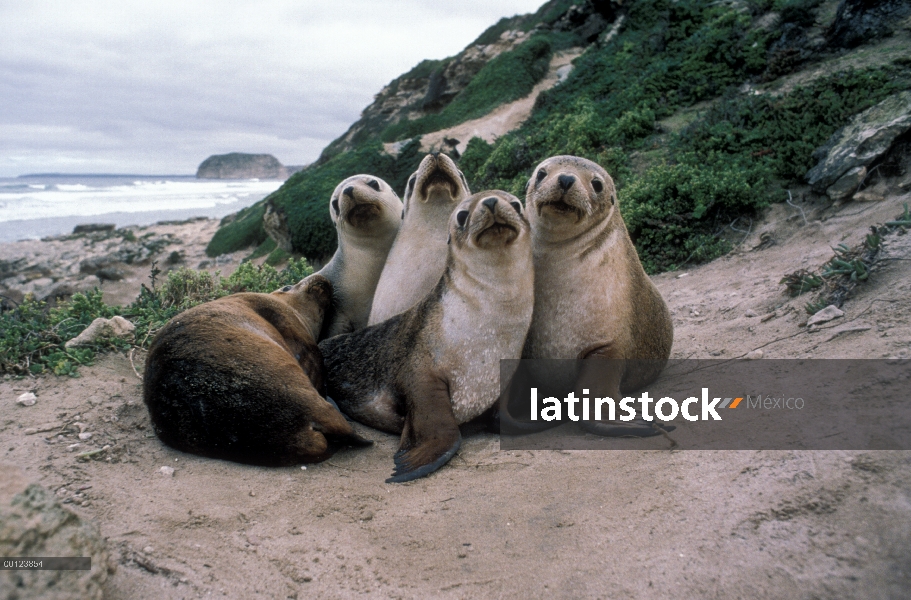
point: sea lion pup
(240, 378)
(418, 256)
(366, 214)
(425, 371)
(593, 299)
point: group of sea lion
(426, 299)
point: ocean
(38, 206)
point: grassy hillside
(686, 63)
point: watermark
(46, 563)
(706, 404)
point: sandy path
(640, 523)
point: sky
(155, 87)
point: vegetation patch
(32, 335)
(507, 77)
(848, 268)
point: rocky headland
(237, 165)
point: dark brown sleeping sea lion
(437, 365)
(240, 378)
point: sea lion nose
(349, 191)
(435, 154)
(491, 204)
(566, 181)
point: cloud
(158, 86)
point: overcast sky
(154, 87)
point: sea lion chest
(581, 299)
(477, 331)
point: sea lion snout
(569, 186)
(359, 201)
(489, 218)
(438, 171)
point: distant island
(237, 165)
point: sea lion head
(488, 220)
(310, 297)
(565, 191)
(365, 205)
(437, 181)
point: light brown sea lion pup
(424, 372)
(240, 378)
(593, 299)
(418, 256)
(367, 215)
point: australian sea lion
(367, 214)
(240, 378)
(593, 299)
(425, 371)
(418, 256)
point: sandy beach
(642, 522)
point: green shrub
(245, 230)
(263, 249)
(476, 154)
(674, 212)
(782, 132)
(32, 336)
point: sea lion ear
(449, 239)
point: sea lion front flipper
(600, 375)
(430, 436)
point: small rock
(27, 399)
(682, 275)
(869, 196)
(252, 493)
(72, 447)
(103, 328)
(847, 184)
(85, 436)
(750, 314)
(754, 355)
(30, 431)
(827, 314)
(167, 471)
(148, 549)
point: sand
(640, 523)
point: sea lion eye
(597, 185)
(287, 288)
(462, 217)
(374, 184)
(335, 206)
(541, 175)
(516, 206)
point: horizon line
(103, 175)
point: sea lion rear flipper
(431, 434)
